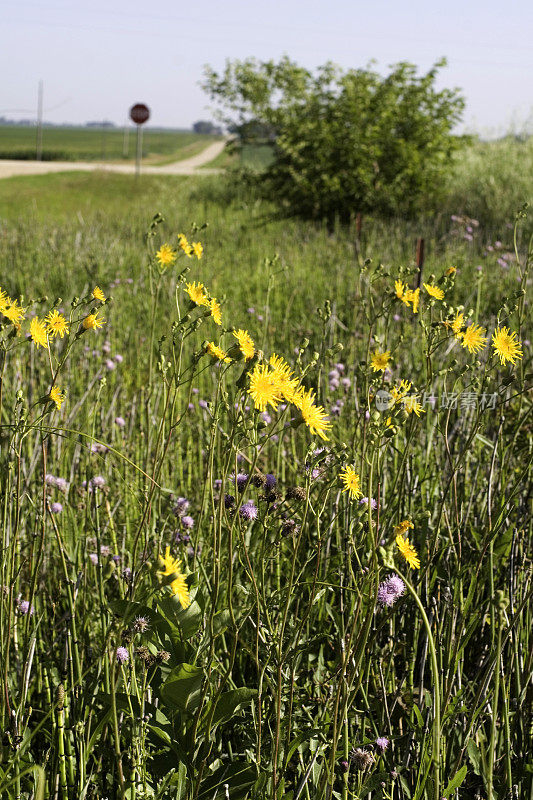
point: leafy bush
(345, 140)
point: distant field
(100, 144)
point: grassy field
(100, 144)
(294, 652)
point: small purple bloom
(396, 317)
(229, 501)
(251, 310)
(195, 390)
(50, 480)
(217, 483)
(241, 480)
(390, 590)
(346, 382)
(187, 522)
(364, 502)
(23, 606)
(120, 421)
(122, 655)
(334, 384)
(106, 347)
(56, 508)
(93, 558)
(105, 550)
(98, 482)
(270, 480)
(202, 404)
(110, 364)
(382, 742)
(181, 506)
(62, 484)
(265, 416)
(248, 511)
(334, 375)
(340, 367)
(191, 406)
(118, 358)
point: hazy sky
(98, 58)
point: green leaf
(187, 620)
(474, 755)
(230, 702)
(181, 690)
(455, 782)
(239, 776)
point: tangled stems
(436, 683)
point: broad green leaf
(230, 702)
(181, 690)
(474, 755)
(455, 782)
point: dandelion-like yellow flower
(402, 527)
(197, 293)
(184, 244)
(56, 323)
(172, 566)
(57, 396)
(314, 416)
(380, 361)
(412, 296)
(93, 322)
(434, 291)
(282, 377)
(166, 255)
(399, 392)
(13, 311)
(217, 352)
(97, 294)
(474, 338)
(352, 482)
(507, 345)
(408, 552)
(197, 249)
(263, 389)
(451, 270)
(216, 314)
(400, 289)
(246, 343)
(5, 300)
(38, 332)
(412, 406)
(458, 325)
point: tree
(345, 141)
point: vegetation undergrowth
(266, 501)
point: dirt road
(188, 166)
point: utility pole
(39, 142)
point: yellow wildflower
(166, 255)
(263, 389)
(57, 396)
(38, 332)
(57, 324)
(408, 552)
(380, 361)
(352, 482)
(434, 291)
(92, 322)
(197, 249)
(402, 527)
(197, 293)
(314, 416)
(474, 338)
(13, 311)
(97, 294)
(216, 314)
(172, 566)
(246, 344)
(217, 352)
(507, 345)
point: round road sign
(139, 113)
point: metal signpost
(139, 114)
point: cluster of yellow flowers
(54, 324)
(473, 337)
(166, 256)
(404, 546)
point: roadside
(187, 166)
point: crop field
(265, 493)
(100, 144)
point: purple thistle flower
(93, 558)
(241, 480)
(106, 347)
(110, 364)
(23, 606)
(122, 655)
(56, 508)
(265, 416)
(382, 743)
(217, 483)
(270, 480)
(248, 511)
(390, 590)
(340, 367)
(120, 421)
(181, 506)
(364, 502)
(62, 484)
(118, 358)
(229, 501)
(346, 382)
(202, 404)
(98, 482)
(187, 522)
(50, 480)
(334, 375)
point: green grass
(285, 662)
(93, 144)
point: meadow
(269, 536)
(100, 144)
